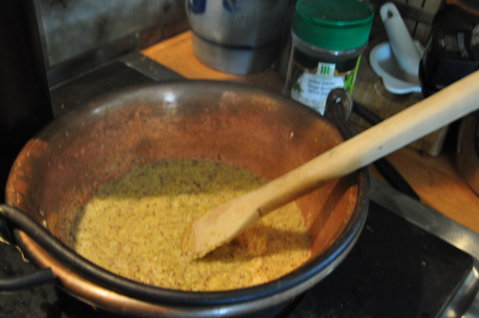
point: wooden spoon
(226, 221)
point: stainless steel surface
(77, 36)
(128, 70)
(466, 300)
(71, 28)
(473, 311)
(235, 36)
(149, 68)
(231, 59)
(59, 73)
(248, 23)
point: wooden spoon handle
(228, 220)
(438, 110)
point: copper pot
(60, 169)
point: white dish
(384, 64)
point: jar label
(312, 86)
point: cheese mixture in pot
(134, 227)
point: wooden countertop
(435, 179)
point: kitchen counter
(435, 179)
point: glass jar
(328, 38)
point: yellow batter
(134, 227)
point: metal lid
(333, 24)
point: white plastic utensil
(223, 223)
(402, 44)
(397, 61)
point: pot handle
(6, 230)
(385, 168)
(339, 106)
(36, 278)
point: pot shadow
(176, 177)
(260, 241)
(333, 212)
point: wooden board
(177, 54)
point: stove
(410, 261)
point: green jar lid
(333, 24)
